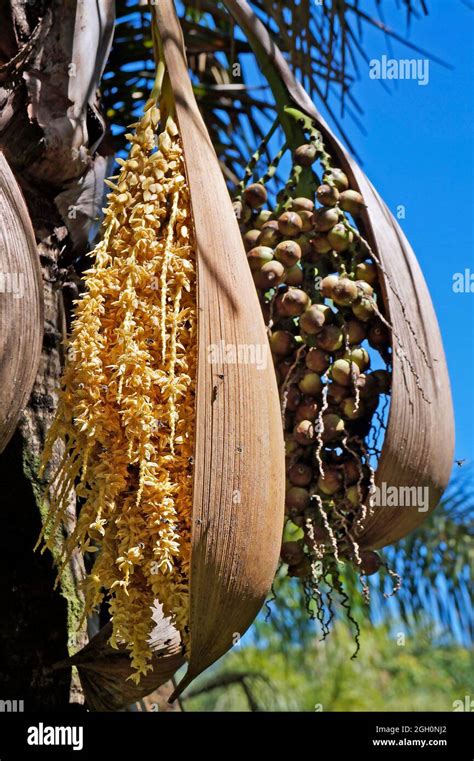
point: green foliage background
(386, 676)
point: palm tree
(66, 96)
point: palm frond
(323, 42)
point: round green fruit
(340, 238)
(310, 384)
(344, 373)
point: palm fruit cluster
(125, 420)
(320, 295)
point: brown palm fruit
(289, 223)
(353, 495)
(333, 427)
(327, 195)
(300, 474)
(245, 216)
(363, 309)
(304, 242)
(344, 292)
(344, 372)
(324, 219)
(306, 220)
(293, 399)
(288, 252)
(318, 361)
(294, 275)
(359, 355)
(364, 289)
(356, 331)
(282, 343)
(327, 285)
(367, 385)
(337, 178)
(320, 534)
(291, 446)
(352, 202)
(340, 238)
(301, 570)
(305, 433)
(293, 302)
(330, 482)
(384, 381)
(367, 271)
(238, 211)
(310, 384)
(250, 239)
(371, 403)
(301, 204)
(305, 155)
(370, 562)
(356, 494)
(269, 234)
(308, 410)
(269, 275)
(278, 307)
(312, 320)
(263, 216)
(259, 256)
(330, 338)
(351, 470)
(292, 553)
(255, 195)
(336, 393)
(310, 341)
(379, 336)
(320, 244)
(327, 312)
(299, 521)
(284, 368)
(297, 499)
(351, 409)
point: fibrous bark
(52, 55)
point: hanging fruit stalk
(177, 457)
(317, 328)
(351, 295)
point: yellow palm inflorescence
(126, 406)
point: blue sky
(419, 152)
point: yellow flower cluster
(126, 407)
